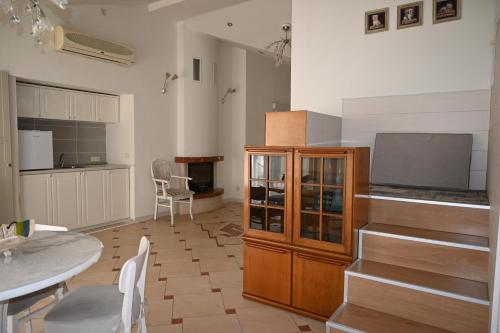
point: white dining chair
(104, 309)
(165, 195)
(18, 309)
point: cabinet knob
(9, 165)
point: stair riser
(460, 220)
(436, 310)
(443, 259)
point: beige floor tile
(170, 255)
(92, 279)
(180, 268)
(103, 265)
(198, 305)
(188, 285)
(234, 300)
(159, 312)
(234, 249)
(228, 279)
(201, 242)
(153, 274)
(315, 325)
(170, 244)
(212, 324)
(165, 329)
(265, 319)
(155, 290)
(209, 253)
(219, 265)
(239, 259)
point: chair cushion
(95, 309)
(22, 303)
(177, 193)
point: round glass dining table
(45, 259)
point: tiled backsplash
(78, 140)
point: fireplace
(202, 175)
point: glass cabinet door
(320, 199)
(268, 189)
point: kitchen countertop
(86, 168)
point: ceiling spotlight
(230, 24)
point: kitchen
(66, 140)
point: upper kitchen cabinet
(82, 106)
(35, 101)
(28, 101)
(108, 109)
(54, 103)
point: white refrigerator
(35, 150)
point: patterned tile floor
(193, 284)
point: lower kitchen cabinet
(314, 275)
(94, 197)
(76, 199)
(36, 198)
(267, 272)
(67, 200)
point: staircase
(422, 267)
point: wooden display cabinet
(300, 218)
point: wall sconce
(228, 92)
(168, 77)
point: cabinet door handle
(9, 165)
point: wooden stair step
(458, 255)
(430, 235)
(461, 219)
(353, 318)
(432, 282)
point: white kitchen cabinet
(54, 103)
(82, 106)
(66, 200)
(118, 194)
(76, 199)
(28, 101)
(94, 186)
(107, 109)
(36, 198)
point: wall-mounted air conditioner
(78, 43)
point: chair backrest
(133, 275)
(45, 227)
(161, 169)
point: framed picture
(447, 10)
(410, 14)
(377, 20)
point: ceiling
(246, 30)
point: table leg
(3, 317)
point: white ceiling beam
(162, 4)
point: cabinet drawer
(317, 283)
(267, 272)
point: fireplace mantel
(198, 159)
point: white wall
(333, 59)
(154, 39)
(453, 112)
(494, 193)
(232, 115)
(197, 112)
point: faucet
(61, 160)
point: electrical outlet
(95, 158)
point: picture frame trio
(412, 14)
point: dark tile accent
(305, 328)
(176, 321)
(196, 260)
(116, 230)
(116, 237)
(162, 279)
(115, 257)
(116, 246)
(157, 265)
(230, 311)
(241, 268)
(153, 253)
(204, 273)
(115, 270)
(79, 141)
(230, 255)
(216, 290)
(188, 249)
(168, 297)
